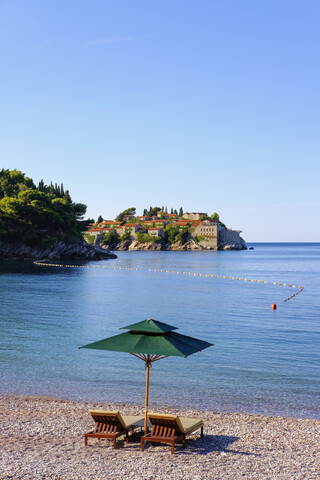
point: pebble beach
(42, 438)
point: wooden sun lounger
(171, 429)
(112, 425)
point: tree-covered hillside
(37, 216)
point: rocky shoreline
(42, 438)
(190, 245)
(67, 250)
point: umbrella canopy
(151, 340)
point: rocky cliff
(191, 244)
(68, 250)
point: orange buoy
(273, 306)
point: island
(157, 229)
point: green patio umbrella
(151, 340)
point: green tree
(183, 235)
(126, 213)
(111, 238)
(174, 233)
(171, 233)
(146, 238)
(100, 219)
(152, 212)
(36, 216)
(67, 196)
(12, 182)
(180, 212)
(215, 216)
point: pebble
(42, 439)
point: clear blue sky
(209, 105)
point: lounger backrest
(108, 417)
(167, 420)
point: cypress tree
(67, 196)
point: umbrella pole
(148, 364)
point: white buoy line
(299, 287)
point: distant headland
(41, 222)
(157, 229)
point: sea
(263, 361)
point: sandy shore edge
(42, 438)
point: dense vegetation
(37, 216)
(153, 211)
(146, 238)
(111, 238)
(172, 233)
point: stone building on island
(204, 233)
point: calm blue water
(263, 361)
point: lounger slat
(99, 427)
